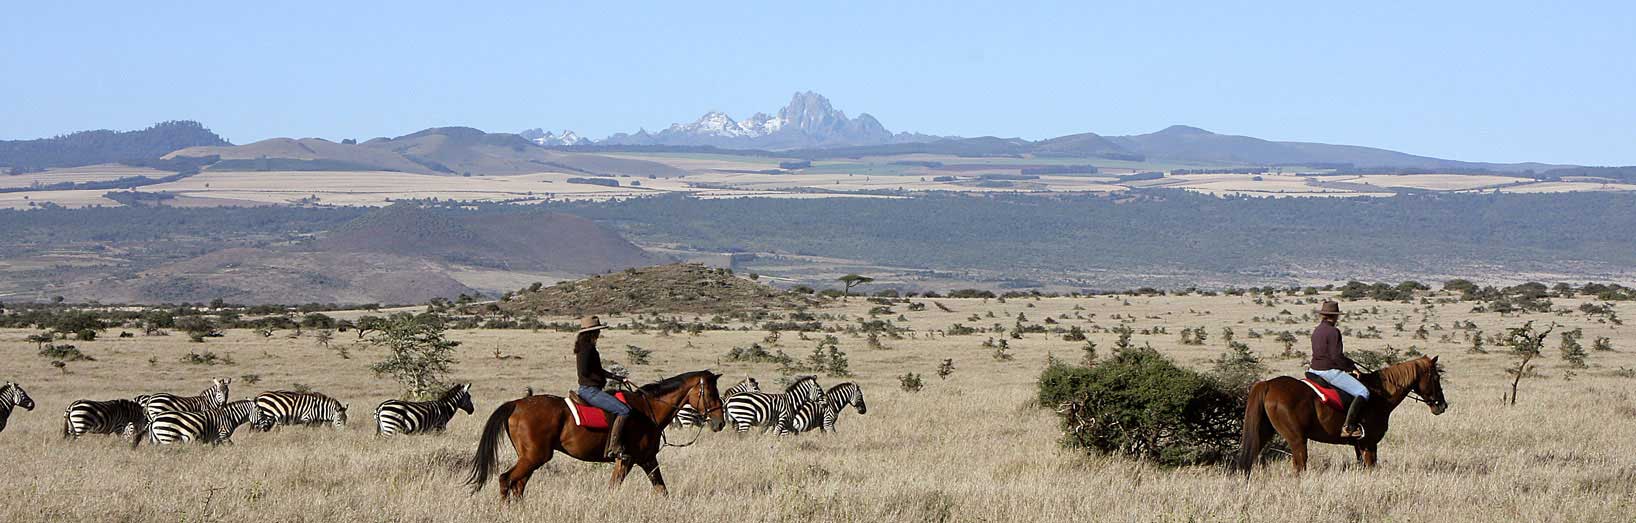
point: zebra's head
(857, 400)
(340, 415)
(217, 393)
(460, 395)
(805, 388)
(748, 385)
(17, 395)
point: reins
(663, 440)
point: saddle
(588, 416)
(1327, 394)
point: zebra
(804, 417)
(211, 398)
(687, 416)
(213, 426)
(395, 416)
(836, 400)
(761, 409)
(121, 416)
(287, 407)
(12, 395)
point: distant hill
(439, 150)
(1183, 143)
(666, 288)
(104, 146)
(520, 241)
(254, 276)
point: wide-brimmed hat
(1330, 308)
(590, 323)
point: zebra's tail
(137, 439)
(488, 446)
(67, 423)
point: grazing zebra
(395, 416)
(761, 409)
(687, 416)
(837, 398)
(211, 398)
(214, 426)
(12, 395)
(124, 417)
(287, 407)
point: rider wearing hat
(592, 378)
(1330, 362)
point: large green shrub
(1141, 404)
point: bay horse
(1289, 406)
(540, 425)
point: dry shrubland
(972, 447)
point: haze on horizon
(1489, 81)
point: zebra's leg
(621, 469)
(651, 466)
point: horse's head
(707, 399)
(1430, 385)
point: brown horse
(1290, 407)
(541, 425)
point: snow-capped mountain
(808, 121)
(544, 137)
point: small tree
(1089, 360)
(1572, 352)
(852, 280)
(946, 369)
(418, 356)
(1525, 343)
(911, 382)
(1288, 339)
(1002, 351)
(637, 355)
(1477, 343)
(1602, 343)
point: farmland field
(973, 447)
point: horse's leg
(1367, 454)
(651, 466)
(532, 453)
(1298, 453)
(621, 468)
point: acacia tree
(1526, 345)
(418, 355)
(853, 280)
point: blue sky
(1480, 81)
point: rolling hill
(104, 146)
(522, 241)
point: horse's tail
(488, 446)
(1256, 427)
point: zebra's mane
(672, 383)
(453, 392)
(798, 382)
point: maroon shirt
(1326, 349)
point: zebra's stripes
(122, 416)
(761, 409)
(804, 417)
(287, 407)
(406, 417)
(12, 395)
(212, 398)
(837, 398)
(211, 426)
(687, 416)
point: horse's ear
(1434, 360)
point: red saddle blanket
(590, 417)
(1326, 395)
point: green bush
(1140, 404)
(64, 352)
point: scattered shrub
(911, 382)
(1141, 404)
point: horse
(540, 425)
(1290, 407)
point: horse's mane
(1401, 374)
(672, 383)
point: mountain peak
(1184, 130)
(807, 121)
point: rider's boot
(1353, 427)
(616, 440)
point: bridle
(649, 399)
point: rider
(1330, 362)
(592, 378)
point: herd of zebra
(210, 417)
(803, 406)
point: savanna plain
(975, 446)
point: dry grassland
(969, 448)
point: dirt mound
(677, 288)
(530, 240)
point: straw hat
(590, 323)
(1330, 308)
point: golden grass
(971, 448)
